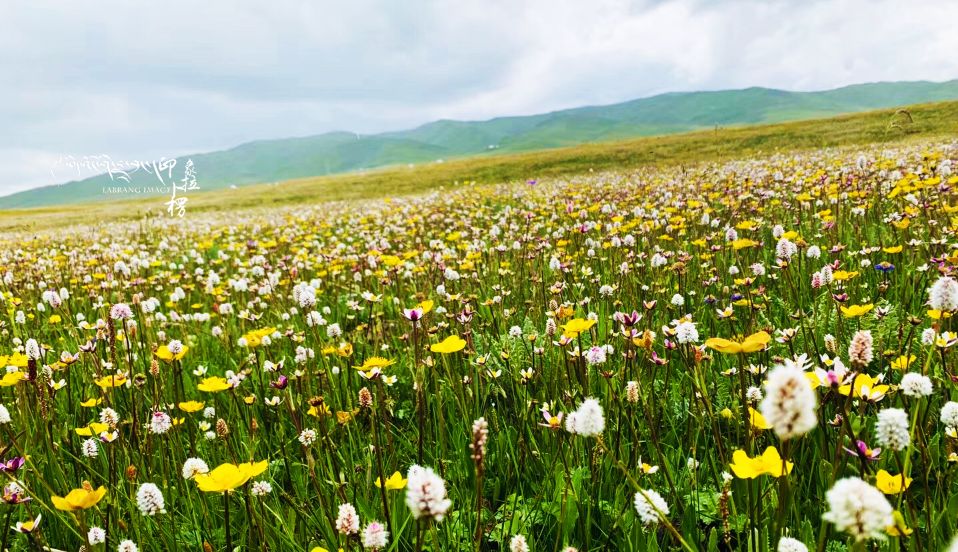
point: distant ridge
(340, 152)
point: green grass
(881, 126)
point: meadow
(744, 353)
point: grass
(882, 126)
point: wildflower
(480, 435)
(347, 521)
(863, 451)
(226, 477)
(89, 448)
(394, 482)
(160, 423)
(96, 535)
(426, 494)
(943, 295)
(121, 311)
(632, 391)
(576, 326)
(770, 463)
(214, 384)
(307, 437)
(858, 509)
(149, 499)
(127, 546)
(193, 467)
(261, 488)
(4, 415)
(789, 404)
(915, 385)
(589, 420)
(860, 352)
(452, 344)
(789, 544)
(28, 526)
(518, 544)
(595, 355)
(650, 506)
(891, 484)
(949, 414)
(375, 536)
(685, 332)
(892, 429)
(755, 342)
(854, 311)
(79, 499)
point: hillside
(344, 152)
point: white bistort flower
(914, 384)
(789, 404)
(891, 430)
(149, 499)
(943, 294)
(426, 494)
(588, 419)
(648, 504)
(858, 509)
(789, 544)
(518, 544)
(347, 521)
(375, 536)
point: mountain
(339, 152)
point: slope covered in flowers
(754, 355)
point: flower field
(748, 355)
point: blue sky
(139, 81)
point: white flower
(789, 404)
(333, 331)
(426, 494)
(307, 437)
(649, 504)
(685, 332)
(175, 346)
(375, 536)
(518, 544)
(943, 294)
(858, 509)
(949, 414)
(121, 311)
(89, 448)
(149, 499)
(127, 546)
(193, 467)
(785, 249)
(261, 488)
(915, 385)
(892, 428)
(788, 544)
(813, 252)
(589, 420)
(515, 331)
(160, 423)
(96, 536)
(678, 300)
(32, 349)
(4, 415)
(595, 355)
(347, 522)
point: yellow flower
(226, 477)
(79, 499)
(902, 362)
(742, 243)
(937, 314)
(163, 353)
(214, 384)
(375, 362)
(426, 305)
(891, 484)
(770, 463)
(107, 382)
(90, 403)
(756, 420)
(755, 342)
(576, 326)
(191, 406)
(842, 275)
(899, 529)
(11, 378)
(865, 387)
(893, 250)
(452, 344)
(394, 483)
(855, 311)
(93, 428)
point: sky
(139, 81)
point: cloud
(137, 82)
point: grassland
(880, 126)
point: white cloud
(121, 79)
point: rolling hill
(343, 152)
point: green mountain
(339, 152)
